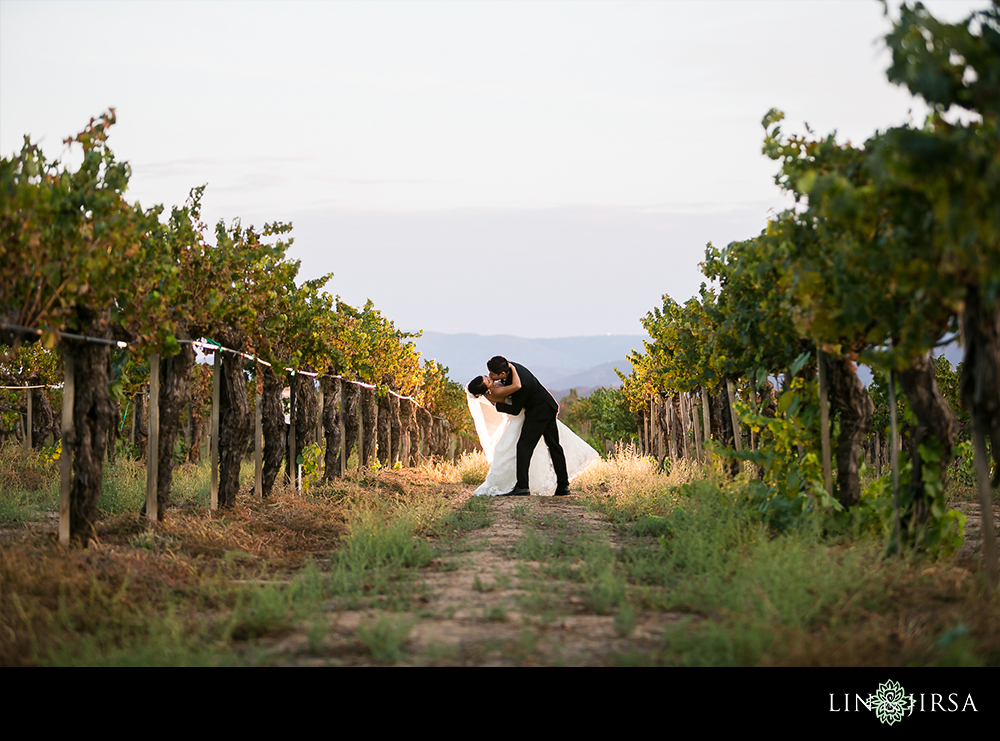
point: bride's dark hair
(477, 387)
(498, 364)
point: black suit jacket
(531, 396)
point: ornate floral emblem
(890, 702)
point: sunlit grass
(473, 468)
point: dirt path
(972, 545)
(482, 605)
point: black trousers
(540, 423)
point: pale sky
(540, 169)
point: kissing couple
(528, 449)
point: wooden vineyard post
(361, 428)
(985, 503)
(668, 414)
(258, 434)
(824, 423)
(878, 457)
(673, 449)
(661, 428)
(644, 447)
(290, 468)
(649, 436)
(661, 433)
(424, 445)
(693, 406)
(640, 433)
(374, 431)
(319, 417)
(213, 438)
(383, 436)
(153, 444)
(65, 464)
(408, 422)
(654, 429)
(737, 432)
(707, 419)
(342, 406)
(425, 428)
(320, 433)
(895, 460)
(30, 422)
(685, 423)
(655, 434)
(652, 426)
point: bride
(498, 434)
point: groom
(539, 422)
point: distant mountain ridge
(560, 363)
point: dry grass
(636, 482)
(134, 572)
(626, 473)
(473, 467)
(25, 470)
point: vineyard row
(348, 415)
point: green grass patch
(384, 637)
(475, 513)
(167, 639)
(576, 558)
(124, 486)
(377, 558)
(112, 626)
(756, 596)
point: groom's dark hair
(498, 364)
(477, 387)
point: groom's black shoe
(517, 491)
(563, 491)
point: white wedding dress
(498, 434)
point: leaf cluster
(885, 241)
(70, 244)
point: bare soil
(472, 605)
